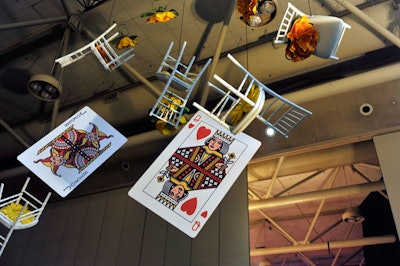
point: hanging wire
(309, 7)
(112, 11)
(247, 51)
(181, 29)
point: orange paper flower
(247, 8)
(303, 40)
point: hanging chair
(280, 114)
(19, 211)
(30, 212)
(330, 31)
(102, 49)
(180, 80)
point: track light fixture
(44, 87)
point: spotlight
(44, 87)
(352, 215)
(270, 132)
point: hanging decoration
(305, 35)
(13, 210)
(170, 104)
(159, 14)
(127, 41)
(124, 40)
(302, 40)
(255, 13)
(243, 107)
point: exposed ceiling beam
(367, 241)
(317, 195)
(370, 22)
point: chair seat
(330, 31)
(178, 82)
(7, 222)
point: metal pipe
(317, 195)
(145, 81)
(352, 83)
(340, 249)
(62, 51)
(146, 137)
(217, 52)
(252, 193)
(287, 236)
(13, 133)
(32, 23)
(274, 178)
(367, 241)
(332, 176)
(299, 183)
(326, 230)
(366, 178)
(373, 24)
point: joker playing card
(71, 152)
(186, 183)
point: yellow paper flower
(12, 211)
(303, 39)
(172, 103)
(126, 42)
(243, 107)
(164, 16)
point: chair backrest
(289, 16)
(281, 114)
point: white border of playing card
(136, 192)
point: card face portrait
(67, 155)
(188, 180)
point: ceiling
(331, 149)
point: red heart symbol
(191, 125)
(204, 214)
(189, 206)
(203, 132)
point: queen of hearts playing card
(67, 155)
(188, 180)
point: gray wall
(110, 228)
(388, 150)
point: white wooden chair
(281, 115)
(27, 217)
(330, 31)
(170, 105)
(102, 49)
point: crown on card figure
(224, 137)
